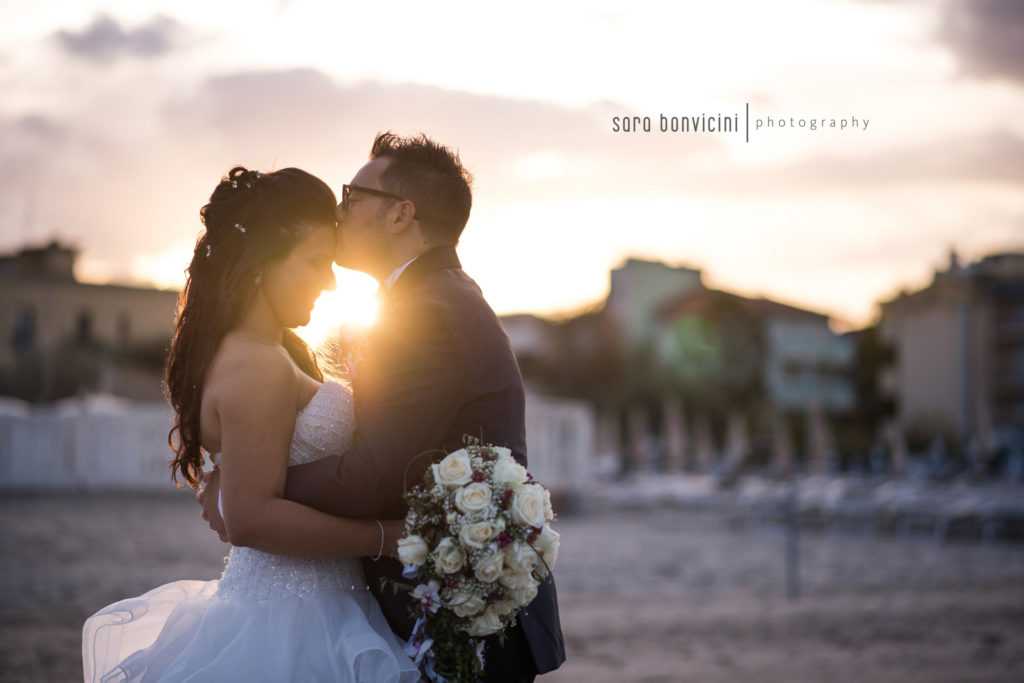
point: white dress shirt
(393, 278)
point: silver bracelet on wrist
(381, 551)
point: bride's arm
(257, 410)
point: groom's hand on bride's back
(208, 498)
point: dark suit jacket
(439, 365)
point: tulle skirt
(184, 631)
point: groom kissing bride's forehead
(313, 471)
(411, 195)
(438, 366)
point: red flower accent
(478, 476)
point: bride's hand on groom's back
(208, 498)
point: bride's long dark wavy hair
(252, 219)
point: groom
(438, 366)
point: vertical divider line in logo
(747, 121)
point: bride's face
(293, 284)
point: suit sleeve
(407, 393)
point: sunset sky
(118, 118)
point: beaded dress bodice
(323, 427)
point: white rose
(528, 506)
(489, 568)
(519, 556)
(454, 470)
(526, 593)
(547, 544)
(502, 452)
(508, 471)
(486, 624)
(522, 587)
(504, 607)
(412, 550)
(466, 604)
(512, 579)
(546, 539)
(450, 557)
(473, 498)
(549, 513)
(479, 534)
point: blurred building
(46, 314)
(638, 291)
(560, 440)
(533, 338)
(959, 350)
(660, 325)
(568, 357)
(628, 318)
(668, 361)
(790, 354)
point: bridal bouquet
(478, 542)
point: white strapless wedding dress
(269, 617)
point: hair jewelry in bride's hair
(247, 178)
(252, 219)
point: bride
(244, 386)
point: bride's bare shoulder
(243, 364)
(245, 378)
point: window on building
(23, 337)
(83, 328)
(124, 328)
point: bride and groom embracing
(311, 473)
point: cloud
(133, 181)
(38, 127)
(105, 40)
(304, 112)
(32, 141)
(993, 156)
(986, 157)
(987, 35)
(127, 185)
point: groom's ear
(402, 217)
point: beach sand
(656, 595)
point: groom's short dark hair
(432, 177)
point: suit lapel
(437, 258)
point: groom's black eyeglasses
(346, 194)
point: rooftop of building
(1001, 272)
(52, 263)
(701, 300)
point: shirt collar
(393, 278)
